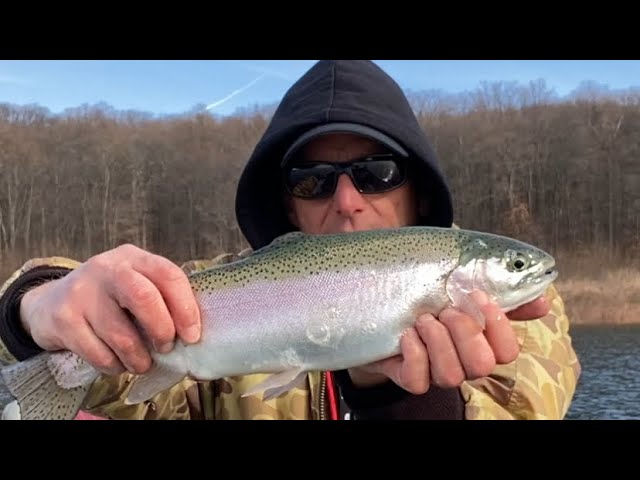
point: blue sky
(173, 87)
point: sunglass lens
(311, 181)
(377, 175)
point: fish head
(510, 271)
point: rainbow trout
(305, 303)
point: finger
(532, 310)
(176, 290)
(115, 328)
(446, 368)
(410, 369)
(415, 367)
(139, 295)
(389, 367)
(474, 352)
(499, 333)
(84, 342)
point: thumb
(391, 368)
(410, 370)
(376, 373)
(538, 308)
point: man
(343, 152)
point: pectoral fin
(463, 302)
(277, 384)
(156, 380)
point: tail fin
(49, 386)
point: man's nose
(347, 199)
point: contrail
(234, 93)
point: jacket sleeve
(15, 344)
(539, 384)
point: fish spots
(299, 255)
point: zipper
(329, 404)
(323, 396)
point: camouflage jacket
(539, 384)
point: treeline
(563, 174)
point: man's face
(348, 210)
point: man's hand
(89, 310)
(452, 348)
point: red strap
(333, 401)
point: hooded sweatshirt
(332, 91)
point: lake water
(609, 387)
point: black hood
(352, 91)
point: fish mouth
(534, 285)
(550, 275)
(541, 277)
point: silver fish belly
(328, 321)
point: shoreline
(609, 298)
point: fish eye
(517, 261)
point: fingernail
(136, 371)
(164, 348)
(192, 334)
(448, 314)
(114, 371)
(480, 297)
(425, 318)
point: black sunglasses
(371, 174)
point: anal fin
(157, 379)
(278, 383)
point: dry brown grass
(611, 297)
